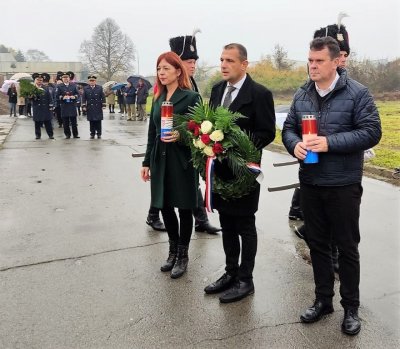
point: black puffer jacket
(349, 120)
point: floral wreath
(213, 135)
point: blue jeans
(13, 109)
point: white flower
(208, 151)
(206, 126)
(201, 144)
(198, 143)
(217, 136)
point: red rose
(192, 125)
(218, 148)
(196, 131)
(205, 138)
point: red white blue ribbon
(255, 168)
(209, 183)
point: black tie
(228, 97)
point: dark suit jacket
(256, 103)
(68, 109)
(93, 99)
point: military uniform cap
(336, 31)
(185, 46)
(90, 77)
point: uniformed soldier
(92, 102)
(67, 96)
(57, 107)
(42, 106)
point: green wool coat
(174, 181)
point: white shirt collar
(322, 92)
(235, 92)
(239, 84)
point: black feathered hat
(185, 46)
(68, 73)
(44, 76)
(338, 32)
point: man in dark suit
(240, 94)
(67, 96)
(42, 106)
(92, 103)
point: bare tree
(34, 55)
(280, 58)
(109, 51)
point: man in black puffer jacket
(348, 123)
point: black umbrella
(134, 79)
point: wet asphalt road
(79, 268)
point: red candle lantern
(310, 129)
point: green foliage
(28, 89)
(284, 81)
(379, 77)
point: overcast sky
(58, 27)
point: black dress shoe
(316, 311)
(240, 290)
(51, 137)
(91, 137)
(68, 137)
(98, 137)
(222, 284)
(77, 137)
(351, 324)
(295, 214)
(37, 137)
(300, 231)
(206, 228)
(155, 223)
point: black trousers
(95, 127)
(47, 125)
(333, 212)
(244, 227)
(178, 231)
(199, 213)
(66, 120)
(21, 109)
(57, 111)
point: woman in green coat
(168, 162)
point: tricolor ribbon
(209, 183)
(255, 168)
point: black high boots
(181, 262)
(173, 250)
